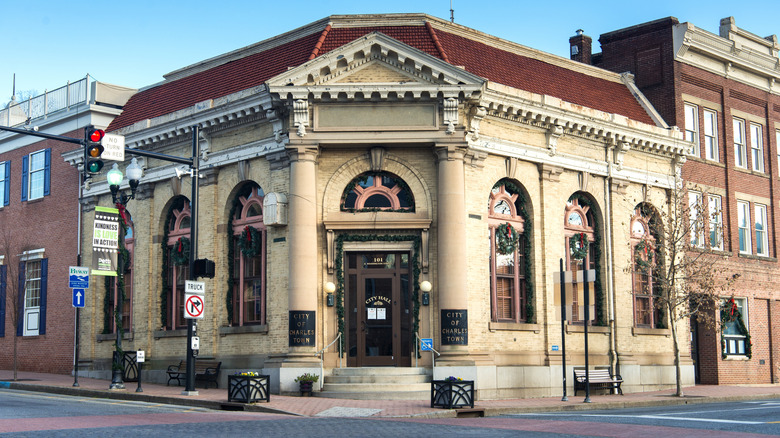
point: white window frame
(740, 145)
(757, 147)
(32, 173)
(696, 228)
(692, 127)
(762, 241)
(743, 222)
(711, 135)
(714, 204)
(735, 345)
(32, 298)
(4, 180)
(777, 135)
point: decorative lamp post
(329, 289)
(425, 287)
(114, 178)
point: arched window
(178, 261)
(249, 258)
(377, 191)
(578, 229)
(644, 289)
(508, 253)
(126, 309)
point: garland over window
(729, 313)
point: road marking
(662, 417)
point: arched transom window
(249, 258)
(178, 272)
(377, 191)
(578, 229)
(643, 287)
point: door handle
(363, 326)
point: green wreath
(578, 245)
(643, 254)
(506, 239)
(729, 312)
(250, 242)
(180, 252)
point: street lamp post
(115, 177)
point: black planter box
(249, 389)
(452, 394)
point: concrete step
(393, 395)
(373, 383)
(375, 387)
(381, 371)
(405, 379)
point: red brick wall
(50, 223)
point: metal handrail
(321, 354)
(416, 353)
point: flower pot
(249, 389)
(452, 394)
(306, 388)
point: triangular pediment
(374, 60)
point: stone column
(302, 238)
(452, 254)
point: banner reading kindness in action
(105, 241)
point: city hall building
(375, 180)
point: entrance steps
(377, 383)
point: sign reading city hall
(105, 241)
(454, 327)
(302, 328)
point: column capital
(302, 152)
(450, 152)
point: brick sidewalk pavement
(322, 406)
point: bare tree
(10, 265)
(673, 259)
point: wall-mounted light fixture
(425, 287)
(329, 289)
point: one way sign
(78, 297)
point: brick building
(349, 164)
(39, 220)
(722, 90)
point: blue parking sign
(426, 344)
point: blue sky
(50, 42)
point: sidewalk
(320, 406)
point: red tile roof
(481, 59)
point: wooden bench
(599, 379)
(206, 371)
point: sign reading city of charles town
(302, 328)
(454, 327)
(105, 241)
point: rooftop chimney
(579, 46)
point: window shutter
(47, 174)
(20, 300)
(6, 198)
(44, 281)
(3, 283)
(24, 179)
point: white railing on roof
(74, 93)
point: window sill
(126, 336)
(751, 171)
(514, 326)
(580, 328)
(636, 331)
(224, 331)
(758, 257)
(33, 201)
(736, 357)
(180, 333)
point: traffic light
(93, 149)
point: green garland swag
(250, 242)
(180, 252)
(578, 245)
(506, 239)
(509, 185)
(729, 312)
(339, 266)
(598, 287)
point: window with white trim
(777, 135)
(762, 243)
(743, 222)
(740, 152)
(5, 186)
(33, 273)
(696, 226)
(692, 127)
(734, 338)
(757, 147)
(36, 175)
(716, 222)
(711, 135)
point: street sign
(194, 287)
(78, 297)
(426, 344)
(114, 147)
(193, 306)
(140, 356)
(78, 277)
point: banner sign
(105, 241)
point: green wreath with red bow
(729, 312)
(506, 239)
(249, 242)
(180, 253)
(578, 245)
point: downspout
(610, 278)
